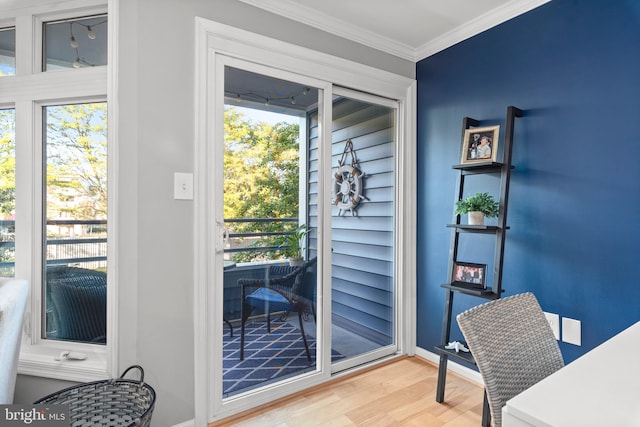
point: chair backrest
(13, 302)
(296, 277)
(79, 303)
(513, 346)
(301, 286)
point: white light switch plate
(571, 331)
(183, 186)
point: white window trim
(28, 91)
(215, 38)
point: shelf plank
(478, 166)
(486, 293)
(487, 229)
(462, 356)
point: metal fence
(69, 242)
(255, 240)
(84, 242)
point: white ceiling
(410, 29)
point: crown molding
(309, 16)
(476, 26)
(330, 24)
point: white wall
(156, 134)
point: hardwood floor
(401, 393)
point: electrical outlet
(571, 331)
(554, 322)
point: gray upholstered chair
(513, 346)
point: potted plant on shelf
(293, 248)
(478, 206)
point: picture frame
(469, 274)
(480, 145)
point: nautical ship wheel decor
(347, 182)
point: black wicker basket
(115, 402)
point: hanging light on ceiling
(90, 33)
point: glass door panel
(363, 228)
(269, 271)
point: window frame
(28, 92)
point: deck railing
(85, 241)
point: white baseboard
(452, 366)
(189, 423)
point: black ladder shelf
(499, 230)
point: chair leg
(304, 336)
(268, 319)
(242, 321)
(486, 412)
(230, 327)
(245, 313)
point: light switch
(571, 331)
(183, 186)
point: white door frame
(213, 39)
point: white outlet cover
(571, 331)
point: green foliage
(482, 202)
(7, 163)
(293, 248)
(261, 178)
(76, 153)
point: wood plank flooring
(400, 393)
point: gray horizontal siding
(362, 246)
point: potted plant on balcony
(478, 206)
(293, 248)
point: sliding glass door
(270, 273)
(305, 252)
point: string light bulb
(90, 33)
(76, 63)
(74, 42)
(255, 97)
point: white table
(601, 388)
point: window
(7, 192)
(75, 252)
(7, 51)
(54, 180)
(75, 43)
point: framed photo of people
(469, 274)
(480, 145)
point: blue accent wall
(573, 66)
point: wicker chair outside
(78, 301)
(513, 346)
(283, 290)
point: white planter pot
(476, 218)
(296, 262)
